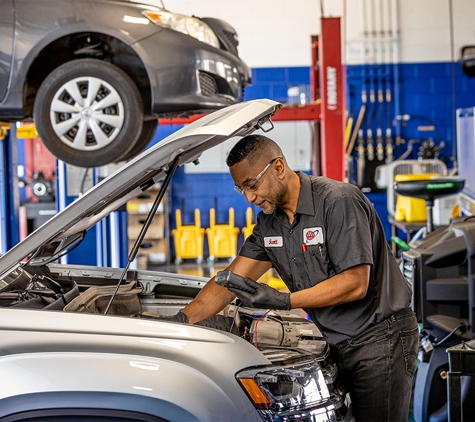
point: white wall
(271, 33)
(295, 139)
(427, 36)
(277, 33)
(421, 29)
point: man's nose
(250, 196)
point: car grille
(208, 85)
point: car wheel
(149, 128)
(88, 113)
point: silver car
(91, 343)
(96, 74)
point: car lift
(9, 196)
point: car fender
(122, 382)
(178, 363)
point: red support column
(333, 100)
(314, 71)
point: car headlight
(291, 392)
(187, 25)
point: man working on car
(327, 243)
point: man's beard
(274, 199)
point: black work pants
(377, 368)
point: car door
(6, 44)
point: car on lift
(96, 74)
(82, 341)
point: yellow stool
(222, 238)
(410, 209)
(188, 240)
(247, 230)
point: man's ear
(280, 168)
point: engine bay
(149, 294)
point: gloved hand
(264, 297)
(179, 317)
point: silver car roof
(130, 180)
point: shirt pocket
(317, 262)
(280, 262)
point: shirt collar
(305, 203)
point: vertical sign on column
(333, 100)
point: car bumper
(188, 75)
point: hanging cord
(379, 129)
(389, 138)
(357, 127)
(238, 305)
(369, 130)
(388, 111)
(170, 172)
(83, 181)
(359, 121)
(255, 328)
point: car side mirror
(467, 60)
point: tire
(149, 128)
(72, 122)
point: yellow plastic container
(247, 230)
(188, 239)
(410, 209)
(222, 238)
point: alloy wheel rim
(87, 113)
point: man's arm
(348, 286)
(213, 298)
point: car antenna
(170, 172)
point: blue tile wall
(273, 83)
(425, 92)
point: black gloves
(264, 297)
(179, 317)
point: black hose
(462, 324)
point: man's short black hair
(248, 144)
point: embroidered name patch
(313, 236)
(273, 242)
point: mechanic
(327, 243)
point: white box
(442, 210)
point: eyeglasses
(252, 184)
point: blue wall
(423, 90)
(273, 83)
(429, 92)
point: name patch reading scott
(273, 242)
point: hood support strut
(170, 172)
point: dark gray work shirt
(335, 227)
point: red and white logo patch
(313, 236)
(273, 242)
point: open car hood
(69, 226)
